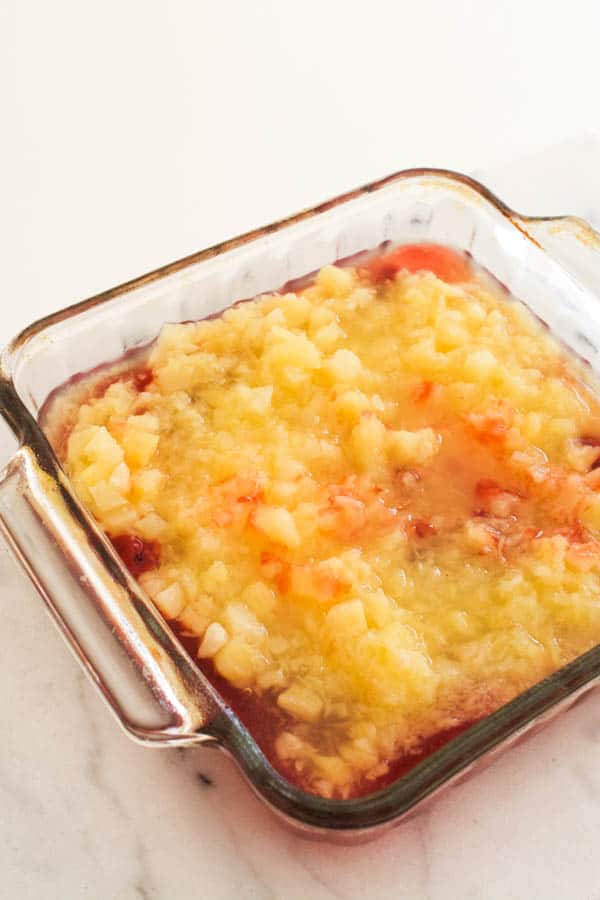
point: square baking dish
(149, 681)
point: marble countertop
(85, 813)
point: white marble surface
(104, 179)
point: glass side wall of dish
(368, 504)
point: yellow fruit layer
(374, 506)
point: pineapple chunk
(215, 638)
(80, 438)
(240, 620)
(320, 316)
(328, 337)
(239, 662)
(296, 310)
(177, 338)
(277, 524)
(346, 620)
(147, 483)
(479, 537)
(215, 577)
(580, 457)
(259, 597)
(152, 583)
(120, 520)
(289, 469)
(170, 601)
(253, 401)
(151, 526)
(367, 441)
(590, 514)
(290, 746)
(315, 582)
(271, 679)
(102, 447)
(335, 281)
(301, 703)
(289, 350)
(120, 479)
(106, 498)
(532, 461)
(139, 445)
(351, 404)
(144, 421)
(416, 448)
(344, 366)
(334, 769)
(194, 621)
(480, 364)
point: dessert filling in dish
(370, 505)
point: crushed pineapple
(375, 501)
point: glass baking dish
(151, 684)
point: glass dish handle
(126, 648)
(569, 240)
